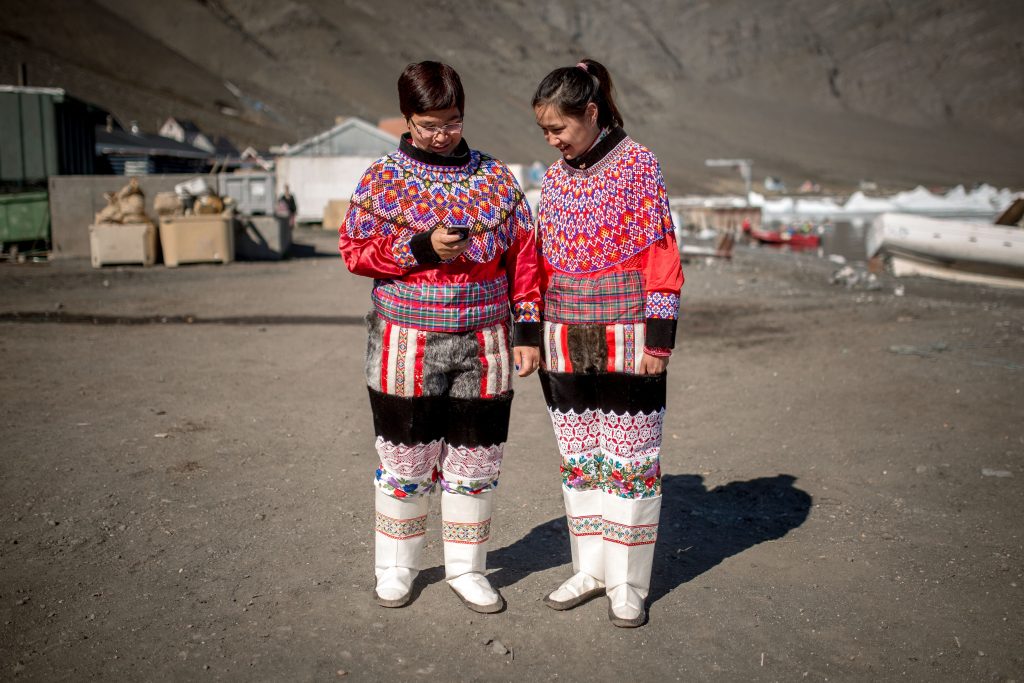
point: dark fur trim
(600, 150)
(421, 419)
(588, 348)
(616, 392)
(476, 422)
(458, 157)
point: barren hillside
(897, 92)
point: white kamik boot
(401, 525)
(465, 530)
(630, 530)
(583, 513)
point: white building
(327, 167)
(350, 137)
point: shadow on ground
(699, 528)
(303, 250)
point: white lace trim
(414, 461)
(626, 437)
(481, 462)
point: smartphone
(460, 229)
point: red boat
(805, 237)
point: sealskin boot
(465, 530)
(630, 530)
(401, 525)
(583, 513)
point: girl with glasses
(611, 281)
(445, 232)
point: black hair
(430, 86)
(572, 88)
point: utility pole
(744, 166)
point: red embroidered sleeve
(663, 278)
(378, 256)
(522, 265)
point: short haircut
(430, 86)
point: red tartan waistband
(449, 307)
(617, 297)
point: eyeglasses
(434, 131)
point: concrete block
(74, 201)
(262, 238)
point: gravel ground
(187, 454)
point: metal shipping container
(44, 132)
(253, 192)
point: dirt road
(187, 455)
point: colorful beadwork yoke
(402, 196)
(600, 216)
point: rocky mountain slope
(896, 92)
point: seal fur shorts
(440, 404)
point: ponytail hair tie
(583, 66)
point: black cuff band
(660, 333)
(527, 334)
(422, 249)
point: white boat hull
(904, 267)
(957, 245)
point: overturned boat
(965, 251)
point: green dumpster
(25, 217)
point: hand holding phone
(450, 241)
(461, 230)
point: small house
(326, 167)
(350, 137)
(184, 130)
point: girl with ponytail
(610, 283)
